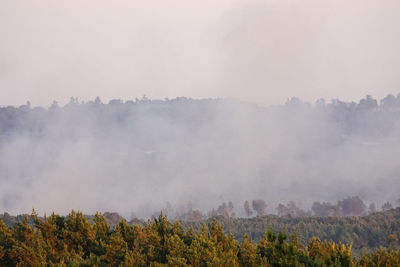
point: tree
(248, 253)
(387, 206)
(372, 208)
(191, 216)
(367, 103)
(388, 101)
(223, 210)
(325, 209)
(97, 101)
(226, 210)
(281, 209)
(259, 206)
(230, 209)
(247, 209)
(352, 206)
(291, 210)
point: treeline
(349, 206)
(75, 241)
(365, 232)
(368, 117)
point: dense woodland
(76, 241)
(378, 229)
(202, 152)
(365, 232)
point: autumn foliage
(75, 241)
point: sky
(262, 51)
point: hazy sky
(259, 51)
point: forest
(198, 151)
(224, 171)
(377, 229)
(380, 229)
(200, 133)
(76, 241)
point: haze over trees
(247, 209)
(239, 165)
(135, 156)
(350, 206)
(259, 206)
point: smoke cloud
(138, 156)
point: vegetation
(77, 241)
(276, 152)
(365, 232)
(346, 233)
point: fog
(263, 51)
(137, 156)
